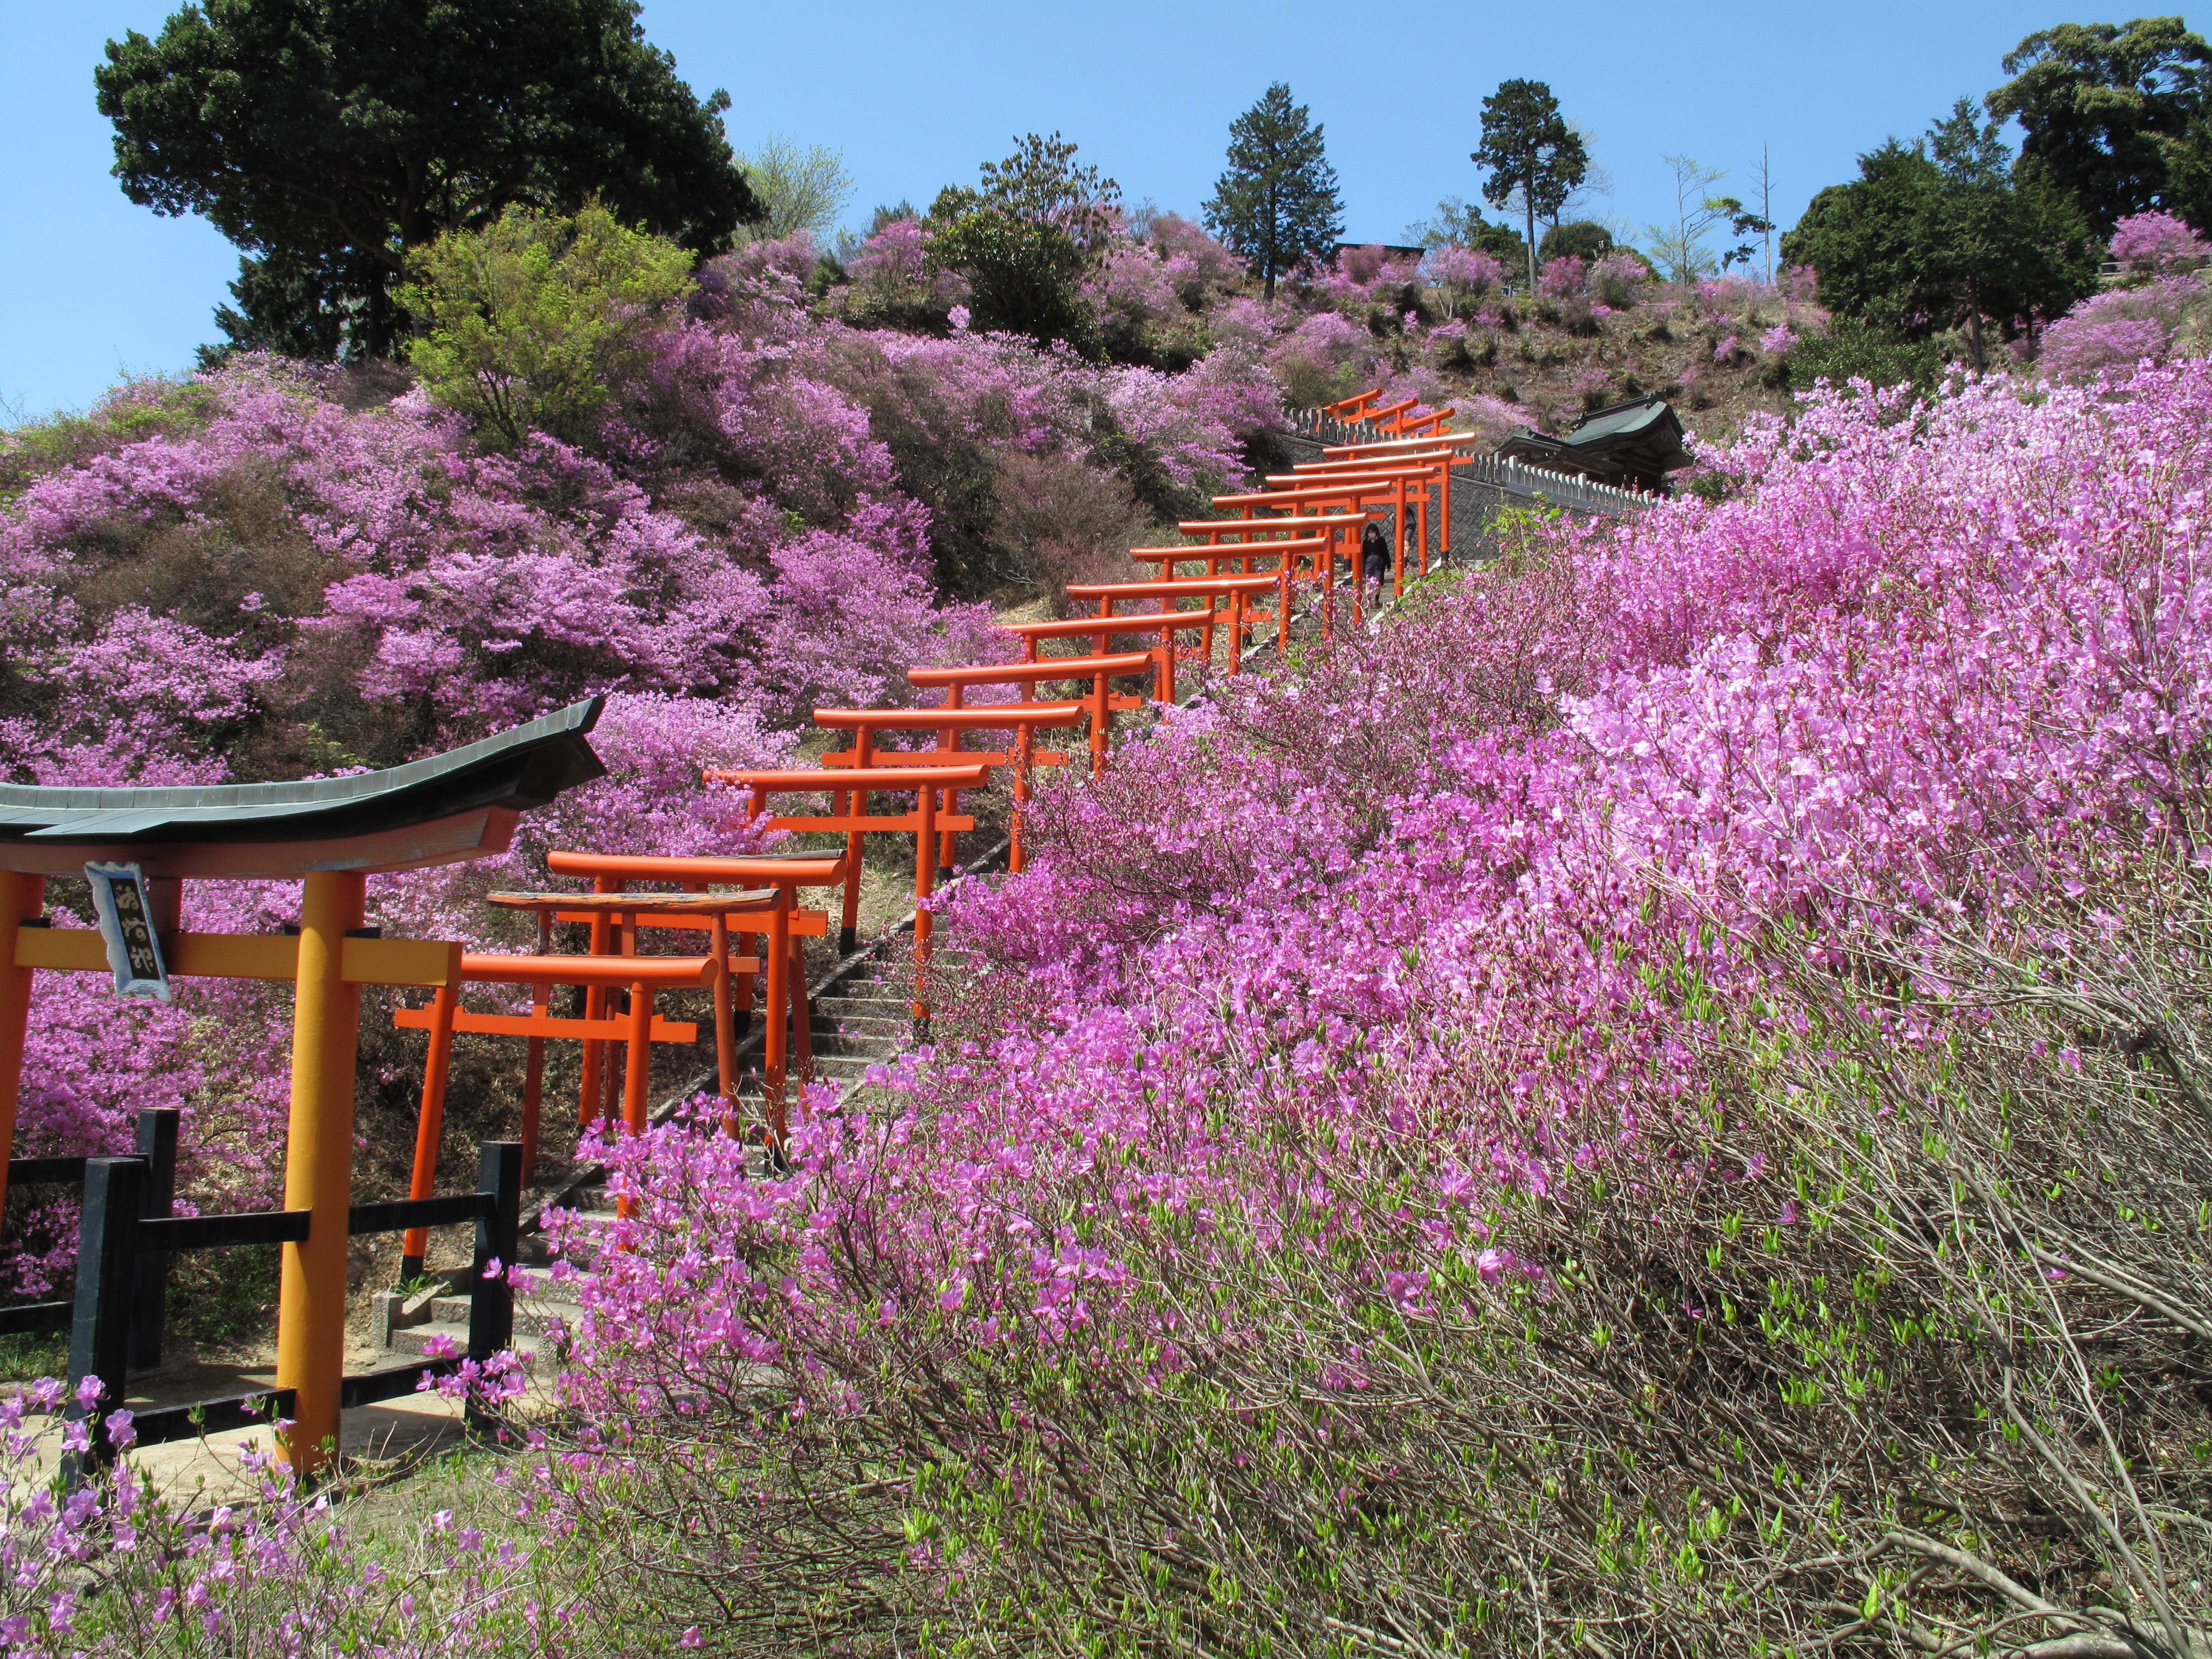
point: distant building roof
(1633, 444)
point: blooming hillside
(1659, 1095)
(277, 570)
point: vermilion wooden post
(774, 1060)
(591, 1103)
(848, 931)
(22, 898)
(637, 1068)
(429, 1125)
(924, 870)
(947, 740)
(311, 1297)
(726, 1071)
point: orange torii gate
(1166, 592)
(780, 962)
(1337, 507)
(1449, 449)
(1023, 719)
(1270, 540)
(1436, 461)
(854, 784)
(1101, 702)
(1392, 418)
(1395, 477)
(1165, 624)
(330, 835)
(1028, 676)
(641, 975)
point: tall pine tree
(1276, 204)
(1535, 159)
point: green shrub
(1853, 349)
(1580, 239)
(525, 325)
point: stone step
(419, 1338)
(533, 1316)
(889, 1005)
(865, 1028)
(877, 1045)
(845, 1068)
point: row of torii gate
(1292, 545)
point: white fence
(1561, 488)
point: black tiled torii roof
(517, 770)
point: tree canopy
(1276, 204)
(1536, 160)
(2105, 108)
(327, 138)
(1939, 234)
(1025, 238)
(798, 188)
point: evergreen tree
(2115, 116)
(327, 138)
(1025, 238)
(1940, 235)
(1535, 160)
(1277, 204)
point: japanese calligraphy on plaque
(126, 924)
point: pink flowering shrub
(2120, 327)
(1365, 276)
(895, 257)
(1501, 1056)
(124, 1565)
(1201, 263)
(1616, 279)
(1465, 275)
(2155, 244)
(1562, 278)
(1319, 360)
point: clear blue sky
(916, 95)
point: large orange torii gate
(1339, 511)
(1101, 702)
(779, 964)
(854, 785)
(1391, 482)
(1222, 558)
(330, 835)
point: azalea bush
(2161, 308)
(1654, 1104)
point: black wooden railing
(125, 1237)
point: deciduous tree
(1277, 204)
(327, 138)
(799, 188)
(527, 324)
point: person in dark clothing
(1374, 554)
